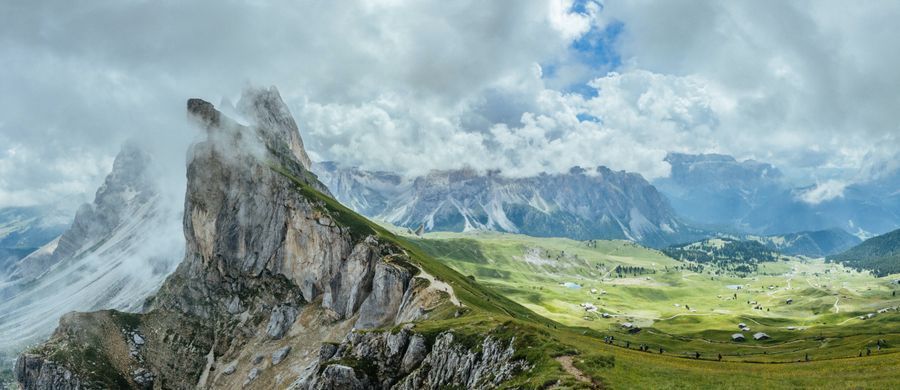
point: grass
(833, 340)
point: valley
(805, 307)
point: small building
(789, 301)
(791, 328)
(745, 329)
(737, 337)
(627, 325)
(870, 315)
(742, 325)
(605, 315)
(760, 336)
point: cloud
(823, 192)
(78, 81)
(809, 82)
(524, 87)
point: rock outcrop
(271, 261)
(406, 360)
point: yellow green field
(681, 311)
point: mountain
(281, 286)
(880, 254)
(581, 204)
(819, 243)
(117, 251)
(720, 193)
(24, 229)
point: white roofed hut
(760, 336)
(738, 337)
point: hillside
(880, 254)
(725, 253)
(683, 311)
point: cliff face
(273, 267)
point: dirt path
(836, 308)
(566, 362)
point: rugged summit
(125, 191)
(581, 204)
(116, 253)
(273, 267)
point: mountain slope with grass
(880, 254)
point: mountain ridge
(581, 204)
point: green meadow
(809, 309)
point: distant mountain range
(720, 193)
(580, 204)
(24, 229)
(880, 254)
(819, 243)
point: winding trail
(837, 309)
(566, 362)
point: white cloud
(823, 192)
(412, 85)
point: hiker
(660, 351)
(807, 357)
(720, 357)
(697, 355)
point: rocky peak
(127, 188)
(265, 107)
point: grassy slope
(880, 254)
(499, 261)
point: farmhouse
(627, 325)
(742, 325)
(789, 301)
(760, 336)
(737, 337)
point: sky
(411, 86)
